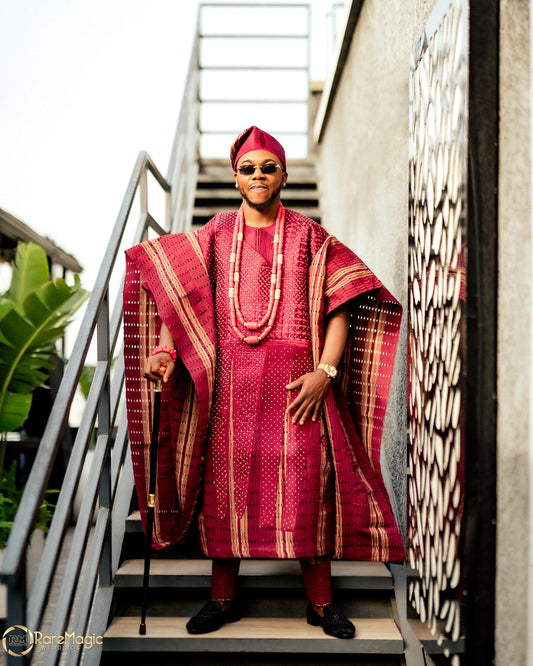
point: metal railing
(254, 69)
(110, 479)
(183, 165)
(85, 593)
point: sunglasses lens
(269, 168)
(249, 169)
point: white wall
(514, 578)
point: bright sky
(85, 86)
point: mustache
(264, 204)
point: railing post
(168, 211)
(143, 190)
(104, 426)
(16, 610)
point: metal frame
(183, 165)
(478, 530)
(482, 239)
(108, 473)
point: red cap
(254, 138)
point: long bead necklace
(275, 281)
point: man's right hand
(160, 366)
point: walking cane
(150, 503)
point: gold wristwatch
(330, 370)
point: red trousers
(316, 576)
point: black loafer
(334, 623)
(211, 617)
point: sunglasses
(248, 169)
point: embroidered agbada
(270, 488)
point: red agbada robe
(270, 488)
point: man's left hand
(314, 386)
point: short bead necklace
(275, 280)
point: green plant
(34, 313)
(10, 495)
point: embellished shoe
(334, 623)
(211, 617)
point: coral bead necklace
(267, 321)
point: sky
(85, 85)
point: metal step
(254, 635)
(255, 574)
(231, 194)
(209, 211)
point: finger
(295, 403)
(300, 412)
(169, 371)
(306, 412)
(296, 383)
(316, 411)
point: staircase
(273, 629)
(216, 193)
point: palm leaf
(29, 330)
(15, 409)
(30, 271)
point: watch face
(332, 372)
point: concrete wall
(514, 567)
(365, 184)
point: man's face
(259, 189)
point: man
(275, 345)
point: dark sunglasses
(248, 169)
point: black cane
(150, 503)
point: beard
(264, 204)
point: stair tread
(309, 211)
(253, 573)
(230, 193)
(377, 636)
(255, 567)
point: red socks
(317, 580)
(224, 579)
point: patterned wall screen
(437, 286)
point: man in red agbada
(276, 347)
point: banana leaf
(30, 271)
(32, 318)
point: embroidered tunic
(270, 488)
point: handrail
(183, 163)
(102, 404)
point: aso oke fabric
(267, 487)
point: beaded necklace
(275, 281)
